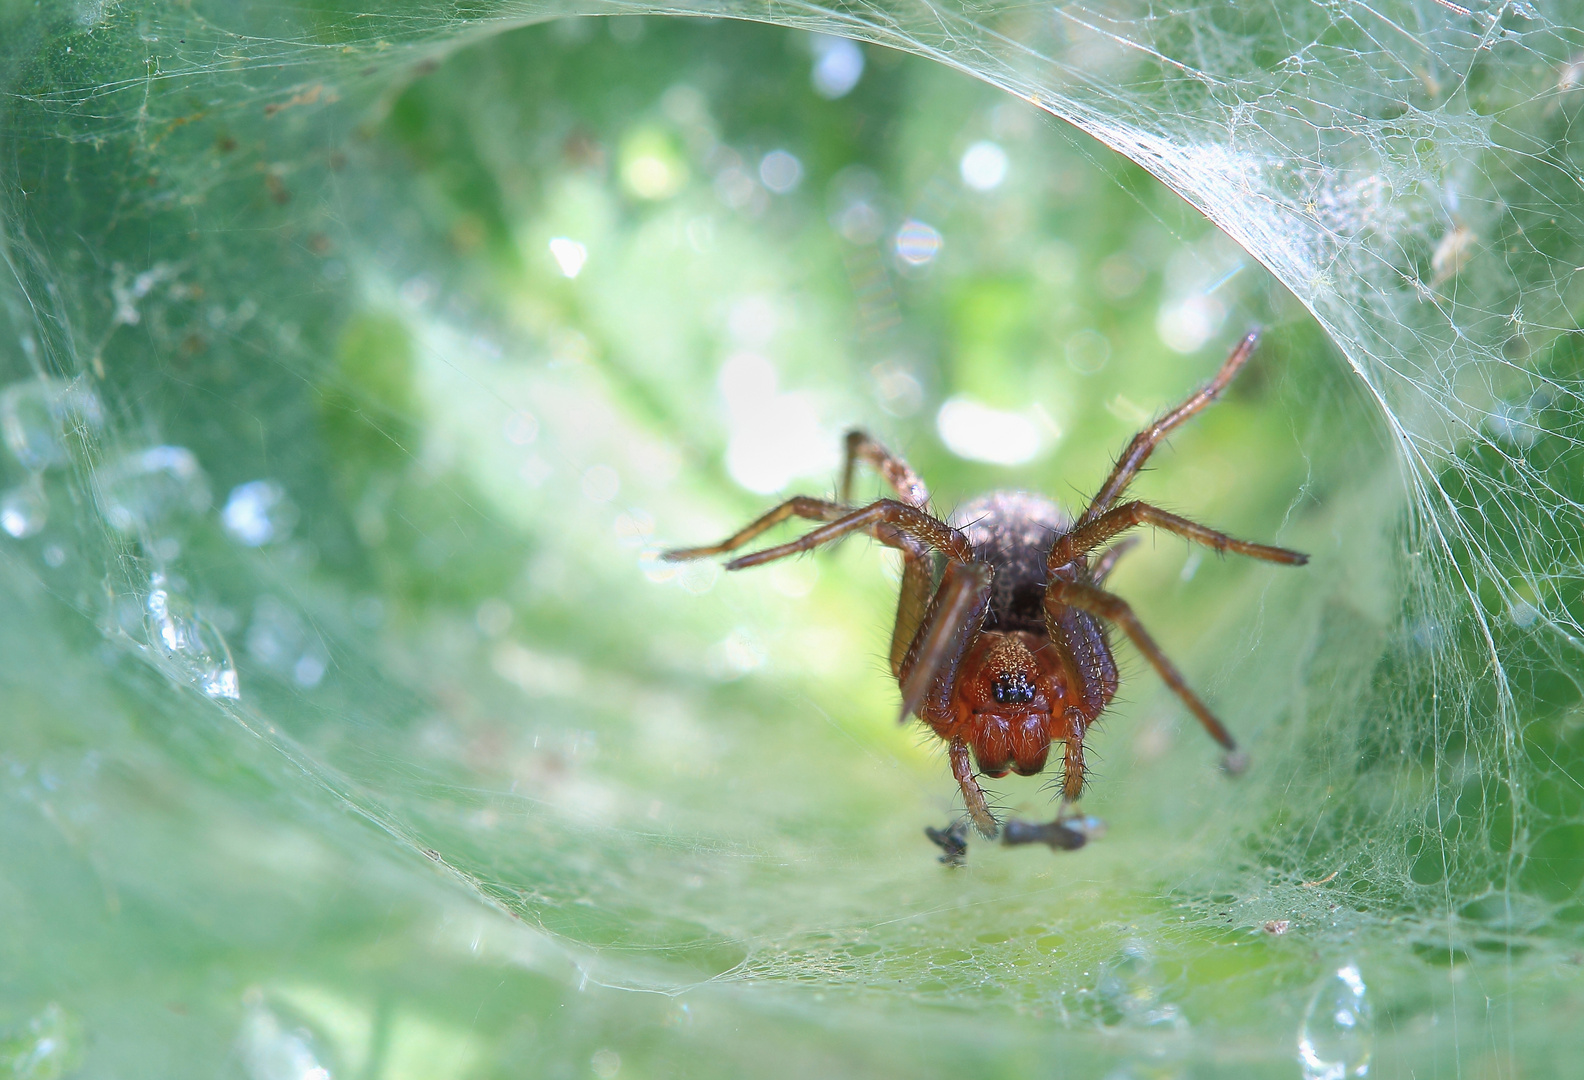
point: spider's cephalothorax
(1002, 649)
(1014, 696)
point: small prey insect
(1001, 641)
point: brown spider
(999, 645)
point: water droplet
(271, 1052)
(1130, 993)
(143, 487)
(36, 416)
(188, 641)
(522, 428)
(1338, 1029)
(258, 512)
(23, 510)
(780, 171)
(1130, 1000)
(44, 1049)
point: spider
(1001, 644)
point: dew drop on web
(1338, 1028)
(1132, 1002)
(188, 642)
(1131, 994)
(269, 1050)
(23, 511)
(257, 513)
(142, 488)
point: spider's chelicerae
(1000, 643)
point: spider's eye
(1013, 688)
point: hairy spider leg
(915, 561)
(954, 612)
(1085, 538)
(798, 506)
(1114, 609)
(973, 794)
(930, 665)
(912, 604)
(909, 521)
(861, 446)
(1138, 451)
(917, 576)
(1101, 522)
(950, 624)
(1073, 771)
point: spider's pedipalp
(973, 794)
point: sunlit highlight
(973, 430)
(569, 255)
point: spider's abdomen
(1013, 531)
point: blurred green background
(353, 729)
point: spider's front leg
(1144, 443)
(928, 673)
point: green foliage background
(500, 795)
